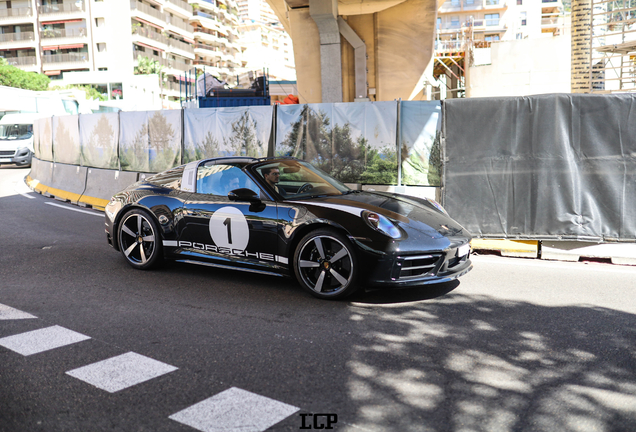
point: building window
(99, 22)
(455, 22)
(519, 2)
(492, 2)
(104, 69)
(455, 3)
(492, 19)
(439, 23)
(519, 35)
(469, 2)
(523, 18)
(101, 47)
(491, 38)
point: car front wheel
(325, 264)
(139, 239)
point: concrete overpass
(348, 50)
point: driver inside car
(272, 177)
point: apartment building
(497, 20)
(105, 40)
(217, 46)
(267, 44)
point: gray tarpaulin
(542, 167)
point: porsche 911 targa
(282, 216)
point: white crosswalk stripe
(45, 339)
(9, 313)
(234, 410)
(118, 373)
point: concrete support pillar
(360, 59)
(581, 45)
(325, 14)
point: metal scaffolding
(612, 66)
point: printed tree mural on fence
(151, 149)
(100, 151)
(335, 151)
(243, 140)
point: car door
(229, 233)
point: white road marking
(234, 410)
(565, 265)
(45, 339)
(9, 313)
(77, 210)
(117, 373)
(29, 196)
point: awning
(148, 46)
(72, 46)
(148, 22)
(56, 72)
(188, 39)
(50, 48)
(60, 22)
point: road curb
(509, 248)
(62, 195)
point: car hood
(408, 212)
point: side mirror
(243, 194)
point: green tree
(243, 140)
(147, 66)
(12, 76)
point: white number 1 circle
(228, 228)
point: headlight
(437, 205)
(112, 208)
(381, 223)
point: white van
(16, 138)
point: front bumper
(20, 157)
(412, 270)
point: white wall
(523, 67)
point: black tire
(325, 264)
(140, 239)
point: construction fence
(559, 167)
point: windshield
(16, 131)
(294, 179)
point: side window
(221, 179)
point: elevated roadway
(357, 50)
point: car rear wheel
(326, 265)
(139, 239)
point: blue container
(218, 102)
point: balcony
(181, 48)
(148, 13)
(15, 15)
(49, 35)
(180, 7)
(22, 61)
(16, 39)
(65, 61)
(62, 11)
(162, 61)
(179, 26)
(449, 46)
(147, 36)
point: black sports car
(282, 216)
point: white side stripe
(8, 313)
(234, 410)
(170, 243)
(45, 339)
(118, 373)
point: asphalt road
(517, 345)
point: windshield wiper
(351, 191)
